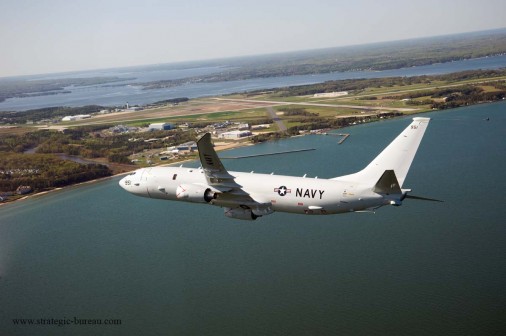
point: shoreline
(223, 148)
(46, 192)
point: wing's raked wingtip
(208, 135)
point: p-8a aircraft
(248, 196)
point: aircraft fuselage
(248, 196)
(285, 193)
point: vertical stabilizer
(397, 156)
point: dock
(343, 135)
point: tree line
(374, 57)
(358, 85)
(44, 171)
(10, 88)
(455, 96)
(46, 113)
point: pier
(343, 135)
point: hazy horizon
(232, 58)
(56, 36)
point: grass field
(251, 107)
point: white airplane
(249, 196)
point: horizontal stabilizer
(387, 184)
(423, 198)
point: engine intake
(195, 193)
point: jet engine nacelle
(240, 213)
(195, 193)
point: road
(274, 116)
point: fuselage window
(174, 177)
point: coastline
(218, 149)
(46, 192)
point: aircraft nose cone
(122, 183)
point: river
(120, 93)
(97, 252)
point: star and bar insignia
(282, 191)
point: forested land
(88, 142)
(46, 113)
(457, 96)
(21, 87)
(357, 85)
(44, 171)
(310, 121)
(373, 57)
(170, 101)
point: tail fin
(397, 156)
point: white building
(235, 134)
(76, 117)
(261, 126)
(160, 126)
(187, 146)
(330, 94)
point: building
(243, 127)
(76, 117)
(261, 126)
(330, 94)
(160, 127)
(188, 146)
(235, 134)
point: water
(172, 268)
(114, 95)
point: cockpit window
(132, 173)
(174, 177)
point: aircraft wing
(216, 174)
(231, 194)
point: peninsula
(40, 152)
